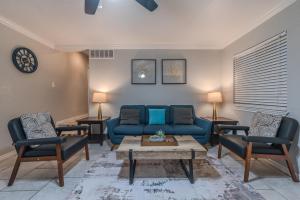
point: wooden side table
(95, 120)
(214, 139)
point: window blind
(260, 77)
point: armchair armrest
(222, 127)
(71, 128)
(41, 141)
(259, 139)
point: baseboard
(71, 119)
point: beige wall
(21, 93)
(289, 20)
(114, 77)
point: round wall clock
(24, 60)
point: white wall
(21, 93)
(289, 20)
(114, 77)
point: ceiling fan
(91, 6)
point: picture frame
(173, 71)
(143, 71)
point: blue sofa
(200, 130)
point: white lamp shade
(99, 97)
(214, 97)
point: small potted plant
(158, 137)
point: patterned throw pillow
(265, 125)
(37, 125)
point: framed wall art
(143, 71)
(174, 71)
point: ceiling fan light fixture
(150, 5)
(91, 6)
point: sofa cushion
(167, 112)
(172, 107)
(157, 116)
(152, 129)
(129, 130)
(186, 130)
(141, 109)
(183, 116)
(72, 145)
(129, 116)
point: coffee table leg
(132, 164)
(189, 173)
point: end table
(95, 120)
(214, 139)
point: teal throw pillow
(157, 116)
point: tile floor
(37, 180)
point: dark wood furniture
(248, 147)
(214, 139)
(95, 138)
(54, 148)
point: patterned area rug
(107, 179)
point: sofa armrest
(203, 123)
(111, 124)
(259, 139)
(40, 141)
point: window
(260, 77)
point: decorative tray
(169, 141)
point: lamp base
(99, 111)
(214, 115)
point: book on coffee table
(169, 141)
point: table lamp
(99, 97)
(214, 98)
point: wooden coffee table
(188, 149)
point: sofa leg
(87, 154)
(220, 150)
(290, 164)
(16, 167)
(247, 162)
(113, 147)
(60, 165)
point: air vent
(101, 54)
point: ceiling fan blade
(150, 5)
(91, 6)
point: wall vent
(101, 54)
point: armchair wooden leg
(87, 154)
(60, 165)
(247, 162)
(290, 164)
(220, 150)
(16, 167)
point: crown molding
(14, 26)
(82, 47)
(283, 5)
